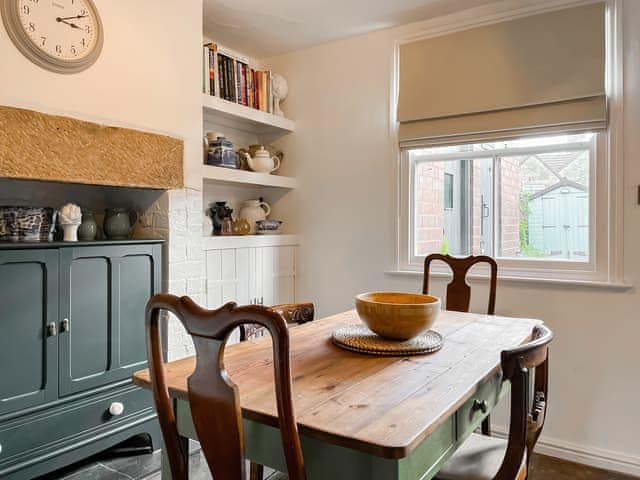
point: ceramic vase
(88, 230)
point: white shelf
(223, 112)
(213, 174)
(244, 241)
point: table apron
(325, 460)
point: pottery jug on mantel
(118, 223)
(253, 211)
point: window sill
(615, 286)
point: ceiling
(260, 28)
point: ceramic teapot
(262, 161)
(253, 211)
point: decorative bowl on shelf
(396, 315)
(27, 224)
(268, 227)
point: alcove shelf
(240, 117)
(212, 174)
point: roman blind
(536, 73)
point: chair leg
(486, 426)
(256, 471)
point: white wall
(147, 77)
(343, 155)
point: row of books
(232, 78)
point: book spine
(212, 73)
(214, 69)
(245, 86)
(205, 69)
(222, 76)
(233, 79)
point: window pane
(540, 211)
(453, 207)
(544, 205)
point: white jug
(254, 211)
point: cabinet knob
(116, 409)
(52, 330)
(64, 325)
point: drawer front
(71, 422)
(474, 410)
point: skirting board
(593, 457)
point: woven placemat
(358, 338)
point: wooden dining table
(362, 416)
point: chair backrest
(213, 397)
(296, 313)
(458, 290)
(527, 417)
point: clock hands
(60, 19)
(72, 25)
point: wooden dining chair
(294, 314)
(490, 458)
(213, 398)
(459, 291)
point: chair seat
(479, 458)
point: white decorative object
(70, 219)
(253, 211)
(280, 90)
(262, 161)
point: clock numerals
(26, 10)
(31, 27)
(87, 28)
(73, 50)
(58, 49)
(43, 41)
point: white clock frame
(13, 26)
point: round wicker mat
(358, 338)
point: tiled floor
(147, 467)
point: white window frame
(605, 182)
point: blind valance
(533, 72)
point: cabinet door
(103, 294)
(277, 274)
(28, 318)
(228, 276)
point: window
(528, 202)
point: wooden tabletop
(384, 406)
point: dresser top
(4, 245)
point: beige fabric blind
(534, 72)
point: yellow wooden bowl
(396, 315)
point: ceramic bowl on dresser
(396, 315)
(27, 224)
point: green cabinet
(72, 319)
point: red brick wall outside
(429, 207)
(510, 206)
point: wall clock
(63, 36)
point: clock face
(62, 35)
